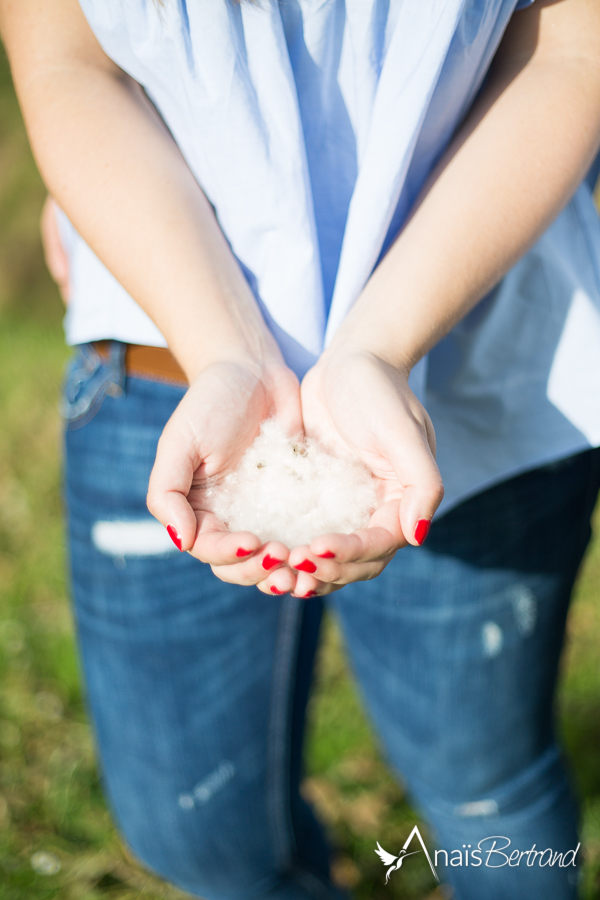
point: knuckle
(152, 503)
(222, 574)
(200, 554)
(434, 492)
(376, 570)
(232, 574)
(346, 574)
(331, 574)
(217, 571)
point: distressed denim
(197, 689)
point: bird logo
(394, 862)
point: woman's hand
(54, 252)
(358, 404)
(216, 421)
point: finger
(387, 516)
(366, 545)
(169, 486)
(416, 469)
(340, 574)
(283, 581)
(430, 432)
(286, 402)
(349, 573)
(315, 588)
(272, 557)
(308, 586)
(335, 575)
(218, 547)
(332, 571)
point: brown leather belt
(141, 361)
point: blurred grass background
(56, 836)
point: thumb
(169, 486)
(286, 405)
(414, 464)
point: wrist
(196, 351)
(233, 363)
(346, 346)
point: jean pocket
(89, 379)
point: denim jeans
(197, 689)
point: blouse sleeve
(522, 4)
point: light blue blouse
(311, 125)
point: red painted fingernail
(241, 552)
(275, 590)
(310, 594)
(306, 566)
(327, 555)
(175, 536)
(422, 530)
(270, 561)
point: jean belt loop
(117, 368)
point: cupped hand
(216, 421)
(360, 405)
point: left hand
(54, 252)
(358, 404)
(215, 422)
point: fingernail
(275, 590)
(327, 555)
(306, 566)
(270, 561)
(241, 552)
(310, 594)
(175, 536)
(422, 530)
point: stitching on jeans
(278, 739)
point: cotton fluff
(292, 490)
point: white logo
(394, 862)
(490, 852)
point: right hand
(217, 420)
(359, 405)
(54, 252)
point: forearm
(514, 164)
(113, 167)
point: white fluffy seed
(292, 490)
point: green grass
(50, 799)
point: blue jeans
(197, 689)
